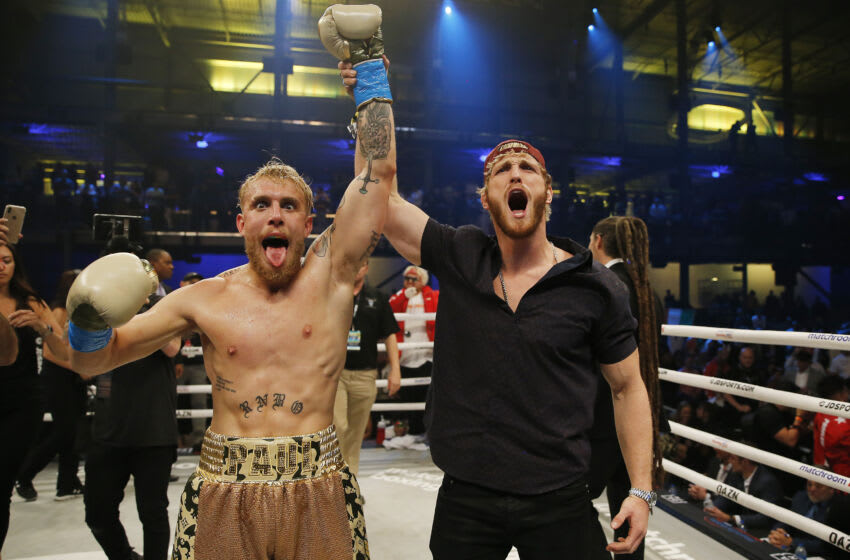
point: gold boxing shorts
(287, 498)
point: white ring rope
(776, 338)
(814, 528)
(207, 389)
(720, 385)
(796, 468)
(411, 316)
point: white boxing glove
(106, 294)
(353, 33)
(342, 23)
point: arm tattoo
(375, 131)
(321, 245)
(368, 178)
(373, 242)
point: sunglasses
(411, 278)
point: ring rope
(814, 528)
(776, 338)
(834, 480)
(720, 385)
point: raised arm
(108, 294)
(8, 342)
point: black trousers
(608, 472)
(20, 417)
(413, 394)
(66, 402)
(108, 469)
(476, 523)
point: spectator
(134, 433)
(832, 433)
(163, 265)
(745, 372)
(814, 502)
(20, 406)
(372, 322)
(416, 297)
(65, 396)
(840, 364)
(189, 370)
(805, 373)
(774, 428)
(756, 481)
(720, 469)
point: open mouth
(517, 202)
(275, 249)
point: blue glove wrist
(88, 341)
(371, 82)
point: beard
(500, 214)
(279, 277)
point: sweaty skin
(274, 331)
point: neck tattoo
(502, 278)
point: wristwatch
(650, 497)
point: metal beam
(224, 20)
(655, 8)
(157, 21)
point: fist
(352, 33)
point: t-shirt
(136, 403)
(512, 393)
(416, 331)
(373, 320)
(767, 420)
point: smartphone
(15, 215)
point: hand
(178, 370)
(636, 512)
(28, 318)
(718, 514)
(349, 74)
(4, 229)
(393, 382)
(745, 408)
(696, 492)
(779, 538)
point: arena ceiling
(754, 28)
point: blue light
(201, 144)
(717, 28)
(715, 174)
(591, 27)
(816, 177)
(711, 44)
(595, 11)
(219, 171)
(448, 10)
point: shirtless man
(271, 481)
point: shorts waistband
(271, 460)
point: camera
(121, 233)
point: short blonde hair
(488, 172)
(279, 172)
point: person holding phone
(20, 402)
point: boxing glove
(353, 33)
(106, 294)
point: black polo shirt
(375, 321)
(512, 394)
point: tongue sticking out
(276, 255)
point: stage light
(219, 171)
(711, 44)
(591, 27)
(715, 174)
(201, 144)
(717, 28)
(595, 11)
(839, 197)
(448, 10)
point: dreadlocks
(627, 238)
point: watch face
(653, 497)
